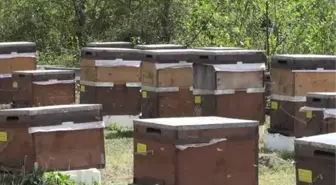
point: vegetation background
(62, 27)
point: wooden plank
(282, 82)
(175, 77)
(314, 82)
(118, 74)
(148, 74)
(239, 80)
(88, 74)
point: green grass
(274, 169)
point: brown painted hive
(167, 151)
(14, 56)
(293, 77)
(117, 81)
(49, 135)
(315, 160)
(43, 87)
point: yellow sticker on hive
(309, 114)
(305, 175)
(3, 136)
(198, 99)
(274, 105)
(15, 85)
(82, 88)
(144, 94)
(141, 148)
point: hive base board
(120, 120)
(278, 142)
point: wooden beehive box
(176, 145)
(315, 160)
(317, 103)
(329, 120)
(166, 74)
(14, 56)
(59, 149)
(230, 90)
(293, 76)
(232, 104)
(296, 75)
(115, 71)
(111, 44)
(43, 87)
(116, 99)
(228, 76)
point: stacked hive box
(230, 83)
(14, 56)
(56, 137)
(315, 160)
(43, 87)
(111, 77)
(317, 104)
(293, 76)
(329, 120)
(166, 80)
(195, 151)
(111, 44)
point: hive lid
(159, 46)
(56, 109)
(321, 99)
(220, 48)
(111, 53)
(325, 141)
(298, 61)
(168, 55)
(18, 47)
(227, 56)
(44, 72)
(195, 123)
(111, 44)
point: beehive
(220, 48)
(293, 76)
(111, 44)
(176, 145)
(50, 140)
(315, 160)
(230, 90)
(14, 56)
(166, 80)
(113, 74)
(317, 103)
(43, 87)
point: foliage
(62, 27)
(116, 131)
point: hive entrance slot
(88, 53)
(153, 130)
(12, 118)
(323, 153)
(149, 56)
(316, 99)
(21, 75)
(204, 57)
(282, 61)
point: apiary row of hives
(42, 127)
